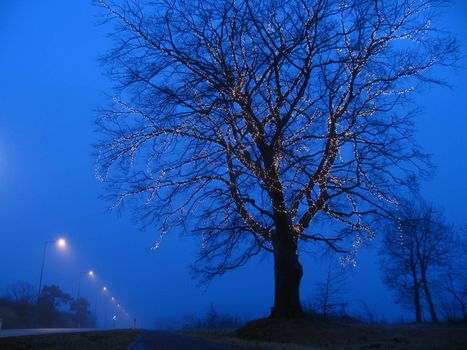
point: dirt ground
(107, 340)
(303, 334)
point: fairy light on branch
(249, 122)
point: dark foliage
(20, 307)
(80, 313)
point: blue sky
(50, 85)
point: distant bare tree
(18, 307)
(419, 242)
(21, 293)
(248, 121)
(457, 287)
(454, 279)
(329, 294)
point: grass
(105, 340)
(312, 335)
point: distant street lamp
(106, 309)
(90, 273)
(103, 290)
(60, 243)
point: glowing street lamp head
(104, 289)
(61, 243)
(91, 273)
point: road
(157, 340)
(37, 331)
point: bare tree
(457, 288)
(328, 297)
(21, 293)
(419, 242)
(400, 268)
(248, 121)
(454, 279)
(18, 307)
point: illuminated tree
(247, 121)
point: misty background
(50, 84)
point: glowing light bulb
(61, 243)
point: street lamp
(61, 244)
(103, 290)
(90, 273)
(106, 308)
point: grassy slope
(303, 334)
(106, 340)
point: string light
(265, 122)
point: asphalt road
(37, 331)
(156, 340)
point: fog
(51, 83)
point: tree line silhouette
(21, 307)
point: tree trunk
(418, 309)
(416, 289)
(325, 295)
(434, 316)
(288, 274)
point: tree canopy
(248, 121)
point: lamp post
(90, 273)
(103, 290)
(61, 243)
(114, 311)
(106, 310)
